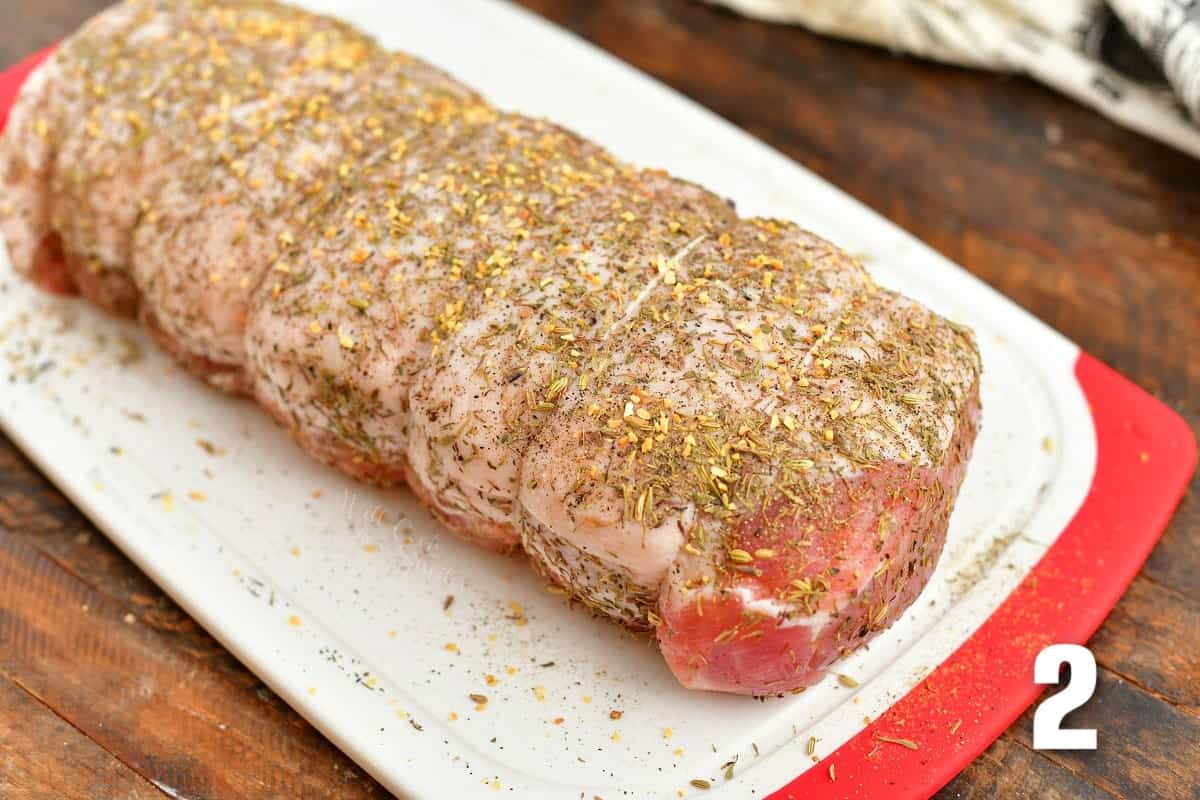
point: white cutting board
(333, 593)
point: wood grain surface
(107, 689)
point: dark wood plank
(1012, 771)
(1150, 640)
(145, 697)
(42, 756)
(1146, 748)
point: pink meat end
(768, 631)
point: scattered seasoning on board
(908, 743)
(518, 614)
(210, 448)
(847, 681)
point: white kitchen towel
(1087, 49)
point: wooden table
(107, 689)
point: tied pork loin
(715, 428)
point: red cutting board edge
(1145, 451)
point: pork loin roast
(715, 428)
